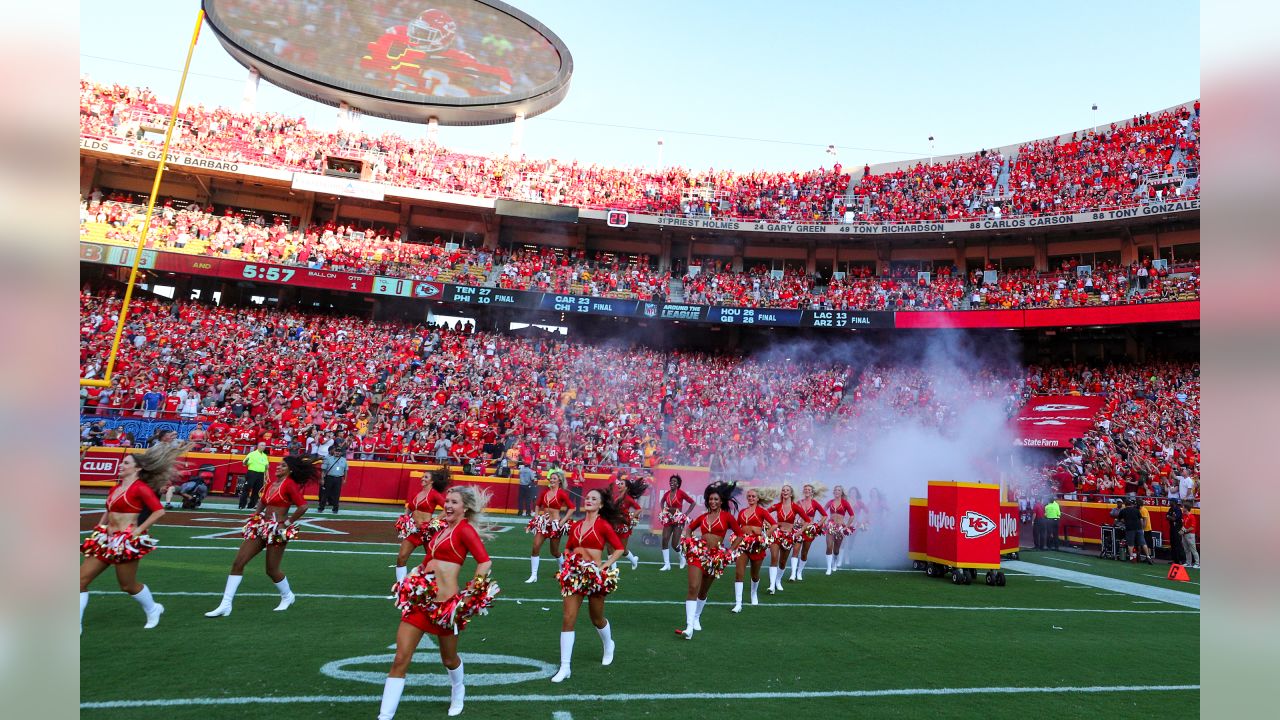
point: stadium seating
(1147, 158)
(276, 375)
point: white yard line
(637, 697)
(1175, 597)
(555, 601)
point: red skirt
(418, 618)
(416, 539)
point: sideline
(1150, 592)
(633, 697)
(725, 603)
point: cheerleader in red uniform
(787, 512)
(811, 507)
(271, 527)
(552, 504)
(419, 523)
(431, 601)
(586, 574)
(755, 522)
(119, 539)
(839, 524)
(706, 556)
(672, 509)
(626, 493)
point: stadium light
(1095, 117)
(930, 149)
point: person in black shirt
(1131, 516)
(1174, 518)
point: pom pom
(810, 531)
(405, 526)
(117, 547)
(581, 576)
(271, 532)
(416, 590)
(547, 527)
(836, 529)
(753, 544)
(712, 560)
(785, 539)
(669, 516)
(472, 600)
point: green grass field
(857, 643)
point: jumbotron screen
(425, 52)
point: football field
(858, 643)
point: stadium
(914, 436)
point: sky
(750, 85)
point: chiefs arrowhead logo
(1055, 407)
(974, 525)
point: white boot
(566, 657)
(286, 595)
(683, 561)
(755, 592)
(697, 615)
(831, 563)
(559, 563)
(457, 690)
(606, 637)
(635, 560)
(401, 572)
(773, 579)
(84, 600)
(391, 692)
(533, 569)
(800, 573)
(795, 565)
(690, 610)
(737, 597)
(229, 594)
(152, 608)
(666, 560)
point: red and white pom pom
(117, 547)
(471, 601)
(406, 527)
(753, 544)
(416, 590)
(810, 532)
(669, 516)
(580, 576)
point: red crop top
(558, 498)
(757, 516)
(428, 504)
(675, 498)
(812, 507)
(131, 500)
(283, 493)
(627, 503)
(453, 543)
(721, 526)
(788, 514)
(840, 507)
(596, 537)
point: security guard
(1052, 514)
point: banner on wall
(1053, 421)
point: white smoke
(895, 448)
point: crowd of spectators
(1093, 170)
(1104, 284)
(416, 392)
(607, 275)
(1147, 438)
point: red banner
(1188, 310)
(1053, 421)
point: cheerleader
(119, 539)
(784, 536)
(839, 524)
(672, 507)
(755, 522)
(811, 507)
(626, 493)
(419, 523)
(547, 511)
(271, 527)
(585, 574)
(706, 557)
(446, 609)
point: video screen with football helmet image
(393, 48)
